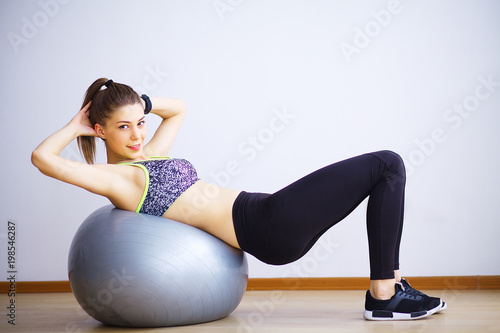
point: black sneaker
(402, 306)
(408, 288)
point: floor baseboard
(489, 282)
(357, 283)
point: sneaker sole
(443, 306)
(389, 315)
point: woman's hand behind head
(82, 123)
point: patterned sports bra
(166, 179)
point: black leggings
(280, 228)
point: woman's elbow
(37, 159)
(181, 107)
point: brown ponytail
(104, 102)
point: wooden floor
(271, 311)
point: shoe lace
(408, 291)
(407, 294)
(412, 292)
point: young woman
(276, 228)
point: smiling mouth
(135, 147)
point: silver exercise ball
(134, 270)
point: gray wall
(278, 88)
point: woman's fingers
(86, 107)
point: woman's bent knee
(393, 161)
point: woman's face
(124, 133)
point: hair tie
(148, 103)
(108, 83)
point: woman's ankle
(382, 289)
(397, 276)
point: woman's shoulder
(125, 184)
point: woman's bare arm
(46, 157)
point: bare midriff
(208, 207)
